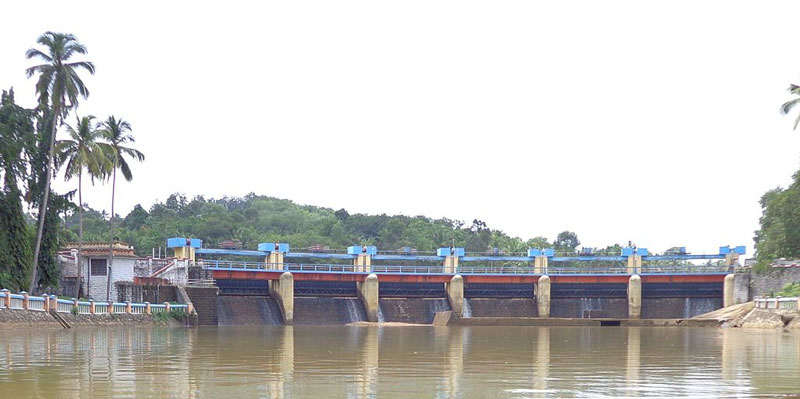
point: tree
(566, 241)
(58, 83)
(81, 152)
(787, 106)
(136, 218)
(17, 140)
(117, 134)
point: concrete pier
(455, 294)
(368, 293)
(635, 297)
(543, 296)
(283, 292)
(728, 290)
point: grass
(791, 289)
(177, 314)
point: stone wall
(772, 281)
(13, 318)
(127, 291)
(205, 304)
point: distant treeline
(253, 219)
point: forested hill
(253, 219)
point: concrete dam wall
(328, 310)
(311, 302)
(247, 310)
(411, 310)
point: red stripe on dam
(684, 278)
(510, 279)
(590, 279)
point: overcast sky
(656, 122)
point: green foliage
(566, 242)
(791, 289)
(779, 235)
(16, 140)
(175, 314)
(253, 219)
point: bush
(791, 289)
(177, 314)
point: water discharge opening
(610, 323)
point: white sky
(655, 122)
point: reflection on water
(398, 362)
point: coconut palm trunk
(45, 197)
(80, 236)
(111, 252)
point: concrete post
(128, 307)
(147, 308)
(635, 297)
(53, 303)
(189, 308)
(368, 293)
(731, 259)
(75, 304)
(543, 296)
(275, 260)
(727, 290)
(634, 264)
(363, 263)
(451, 264)
(166, 306)
(540, 264)
(7, 298)
(26, 300)
(91, 306)
(455, 294)
(283, 292)
(46, 302)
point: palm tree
(117, 134)
(82, 152)
(58, 83)
(787, 106)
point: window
(99, 267)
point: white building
(127, 267)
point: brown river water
(398, 362)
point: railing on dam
(44, 303)
(461, 269)
(787, 303)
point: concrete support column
(731, 259)
(635, 297)
(634, 264)
(363, 263)
(540, 264)
(455, 294)
(282, 290)
(543, 296)
(727, 290)
(275, 261)
(368, 293)
(450, 264)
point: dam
(362, 285)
